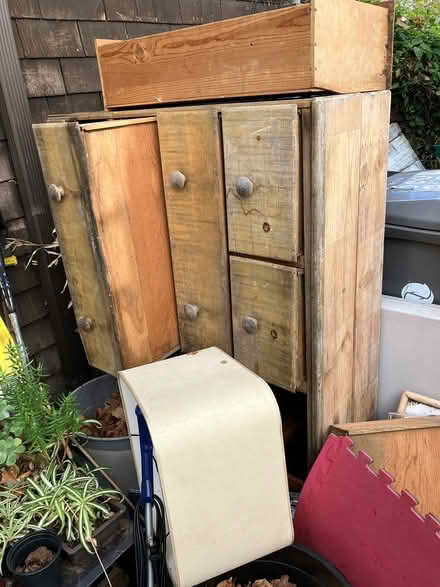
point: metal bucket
(113, 453)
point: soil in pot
(36, 560)
(112, 419)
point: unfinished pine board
(408, 449)
(268, 320)
(352, 44)
(129, 208)
(375, 114)
(336, 141)
(63, 159)
(261, 157)
(292, 49)
(190, 145)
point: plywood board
(128, 204)
(407, 448)
(64, 164)
(190, 144)
(375, 114)
(271, 296)
(261, 144)
(336, 140)
(266, 53)
(352, 44)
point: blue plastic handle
(146, 446)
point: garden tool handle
(5, 288)
(146, 447)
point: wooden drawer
(192, 170)
(106, 195)
(261, 158)
(268, 320)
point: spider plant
(63, 497)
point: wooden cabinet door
(268, 320)
(263, 196)
(192, 170)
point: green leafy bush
(416, 74)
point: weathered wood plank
(261, 144)
(44, 38)
(272, 297)
(22, 279)
(233, 9)
(18, 43)
(43, 77)
(59, 104)
(200, 11)
(190, 143)
(85, 102)
(336, 140)
(72, 9)
(63, 161)
(6, 170)
(2, 131)
(38, 336)
(360, 33)
(140, 29)
(146, 10)
(31, 306)
(39, 110)
(134, 238)
(10, 202)
(81, 75)
(90, 31)
(371, 212)
(233, 58)
(122, 9)
(168, 11)
(24, 8)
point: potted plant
(40, 485)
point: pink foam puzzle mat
(353, 517)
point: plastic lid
(413, 200)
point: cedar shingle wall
(56, 40)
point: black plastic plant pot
(48, 576)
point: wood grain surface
(63, 160)
(128, 204)
(371, 223)
(266, 53)
(261, 143)
(190, 143)
(336, 142)
(351, 45)
(272, 295)
(408, 449)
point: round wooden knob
(86, 324)
(56, 192)
(177, 179)
(245, 187)
(191, 311)
(250, 325)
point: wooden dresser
(275, 213)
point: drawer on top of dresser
(262, 181)
(268, 320)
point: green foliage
(10, 442)
(416, 75)
(64, 497)
(42, 426)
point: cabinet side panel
(372, 201)
(190, 143)
(127, 203)
(336, 138)
(64, 164)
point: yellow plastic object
(5, 340)
(11, 261)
